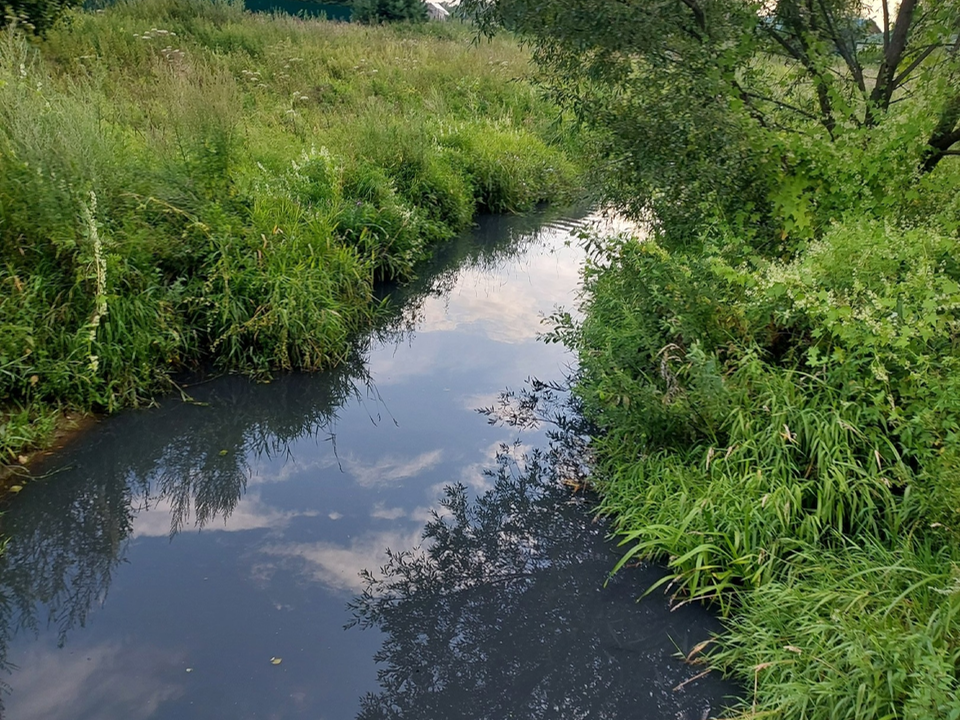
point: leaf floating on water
(276, 660)
(189, 669)
(16, 488)
(224, 452)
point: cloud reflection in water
(503, 613)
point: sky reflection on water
(176, 550)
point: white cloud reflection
(338, 566)
(251, 513)
(367, 473)
(390, 467)
(108, 680)
(507, 308)
(380, 512)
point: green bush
(414, 161)
(864, 632)
(784, 435)
(37, 16)
(511, 169)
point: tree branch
(886, 27)
(698, 14)
(944, 135)
(784, 105)
(751, 108)
(898, 81)
(883, 89)
(823, 97)
(849, 56)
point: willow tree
(703, 100)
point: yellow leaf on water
(16, 488)
(276, 660)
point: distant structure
(436, 11)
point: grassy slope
(181, 181)
(785, 434)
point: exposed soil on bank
(70, 426)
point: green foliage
(36, 16)
(784, 435)
(25, 428)
(861, 633)
(510, 171)
(773, 372)
(380, 11)
(714, 111)
(182, 182)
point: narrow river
(202, 560)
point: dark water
(177, 552)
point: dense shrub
(36, 16)
(784, 434)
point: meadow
(186, 184)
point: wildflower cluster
(154, 33)
(253, 78)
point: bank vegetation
(774, 373)
(185, 184)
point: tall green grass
(785, 436)
(184, 182)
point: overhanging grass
(783, 435)
(184, 182)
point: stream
(205, 558)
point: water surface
(178, 553)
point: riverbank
(183, 548)
(773, 372)
(783, 431)
(182, 183)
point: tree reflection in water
(504, 611)
(66, 537)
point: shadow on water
(505, 614)
(502, 613)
